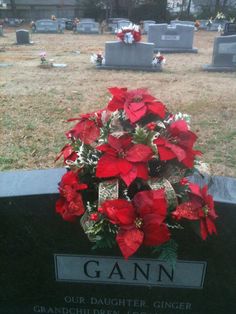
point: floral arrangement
(44, 61)
(127, 180)
(158, 59)
(220, 16)
(130, 34)
(97, 58)
(43, 57)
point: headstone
(214, 27)
(117, 25)
(230, 29)
(136, 56)
(224, 55)
(22, 37)
(203, 24)
(1, 31)
(87, 27)
(47, 265)
(146, 24)
(47, 26)
(167, 38)
(174, 22)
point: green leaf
(167, 252)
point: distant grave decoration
(97, 58)
(130, 34)
(127, 182)
(45, 64)
(158, 59)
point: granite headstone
(47, 265)
(22, 37)
(167, 38)
(119, 24)
(203, 24)
(146, 24)
(229, 29)
(174, 22)
(136, 56)
(47, 26)
(87, 27)
(224, 55)
(1, 31)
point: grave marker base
(132, 68)
(213, 68)
(176, 50)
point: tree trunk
(225, 2)
(217, 6)
(13, 8)
(189, 7)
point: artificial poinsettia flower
(199, 207)
(68, 154)
(136, 103)
(70, 205)
(88, 127)
(178, 144)
(139, 222)
(124, 159)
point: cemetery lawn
(35, 102)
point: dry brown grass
(35, 102)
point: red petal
(186, 210)
(142, 170)
(119, 144)
(129, 241)
(139, 152)
(107, 167)
(119, 212)
(157, 108)
(135, 111)
(130, 176)
(86, 130)
(155, 234)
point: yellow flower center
(138, 223)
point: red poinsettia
(87, 129)
(134, 32)
(70, 205)
(140, 222)
(124, 159)
(199, 207)
(178, 144)
(136, 103)
(68, 154)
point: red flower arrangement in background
(127, 181)
(130, 34)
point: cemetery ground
(35, 103)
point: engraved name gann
(138, 271)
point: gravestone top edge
(45, 181)
(121, 43)
(30, 182)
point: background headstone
(224, 55)
(22, 37)
(42, 257)
(203, 24)
(229, 29)
(47, 26)
(167, 38)
(146, 24)
(117, 25)
(87, 27)
(1, 30)
(214, 27)
(136, 56)
(174, 22)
